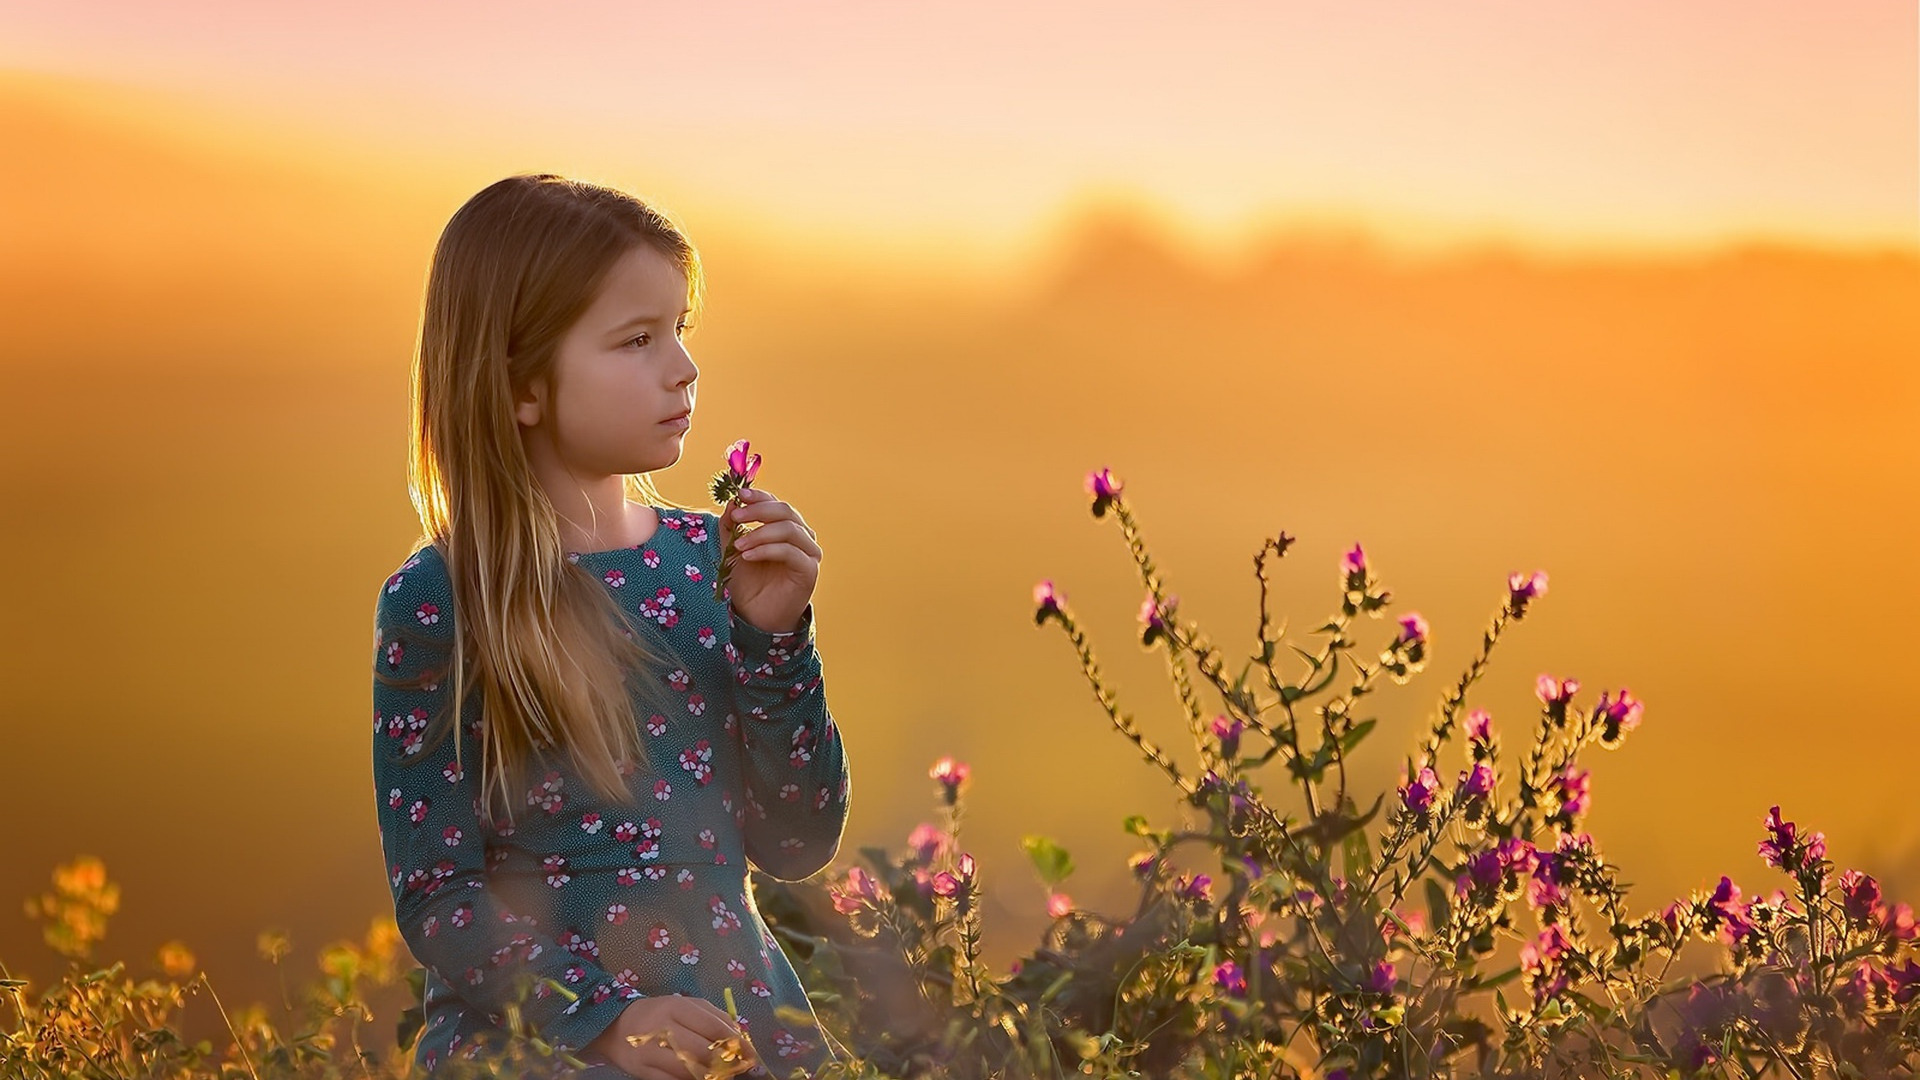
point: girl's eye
(683, 328)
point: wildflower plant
(1462, 923)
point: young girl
(572, 841)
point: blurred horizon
(211, 304)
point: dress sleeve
(432, 834)
(794, 763)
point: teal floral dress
(612, 902)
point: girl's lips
(678, 423)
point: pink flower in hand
(742, 465)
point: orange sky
(210, 278)
(1604, 124)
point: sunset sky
(1596, 125)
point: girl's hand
(675, 1039)
(779, 562)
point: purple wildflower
(1904, 981)
(1383, 978)
(1104, 489)
(1727, 911)
(1522, 588)
(1229, 978)
(1860, 894)
(1543, 961)
(1517, 857)
(1197, 887)
(1477, 783)
(1417, 795)
(1228, 730)
(1868, 987)
(951, 775)
(1485, 868)
(1551, 875)
(1144, 864)
(1354, 563)
(1153, 619)
(1240, 797)
(1574, 788)
(1899, 923)
(1784, 849)
(1556, 871)
(861, 891)
(1554, 692)
(954, 884)
(1413, 630)
(1479, 727)
(1617, 717)
(927, 842)
(1046, 601)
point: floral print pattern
(612, 902)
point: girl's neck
(637, 527)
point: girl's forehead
(641, 286)
(646, 276)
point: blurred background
(1629, 293)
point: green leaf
(1358, 853)
(412, 1020)
(1352, 738)
(1049, 858)
(1492, 981)
(1438, 907)
(1136, 824)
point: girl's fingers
(781, 553)
(686, 1042)
(775, 532)
(711, 1021)
(763, 507)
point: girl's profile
(578, 746)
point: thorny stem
(1456, 697)
(1131, 530)
(970, 941)
(1120, 719)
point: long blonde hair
(548, 646)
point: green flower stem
(1120, 720)
(1329, 658)
(1455, 698)
(1131, 530)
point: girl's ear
(530, 405)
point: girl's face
(620, 371)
